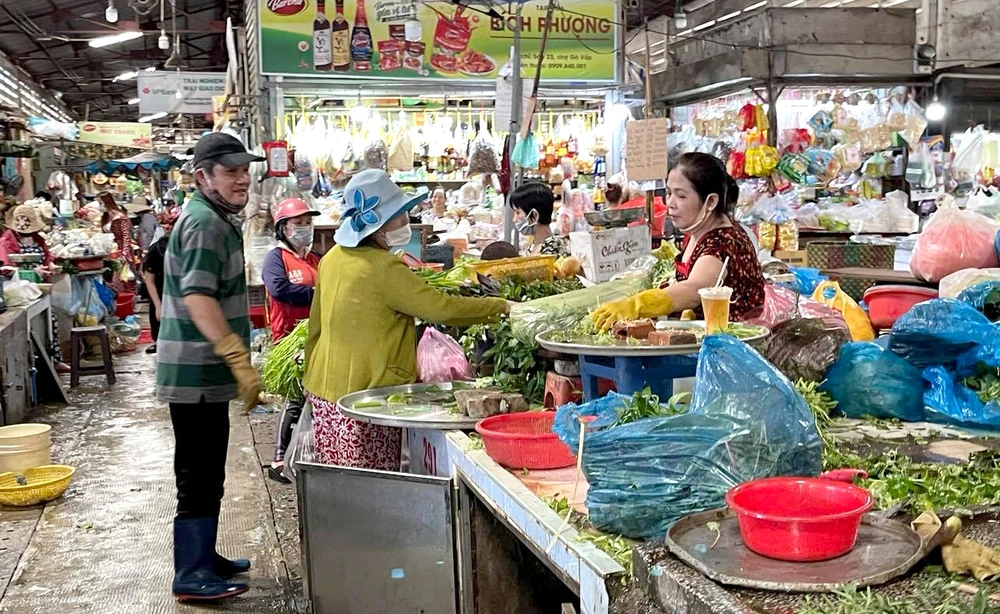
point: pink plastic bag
(440, 359)
(954, 240)
(779, 306)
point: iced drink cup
(715, 304)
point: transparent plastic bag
(867, 380)
(441, 359)
(302, 445)
(780, 306)
(20, 292)
(483, 156)
(946, 332)
(956, 283)
(954, 240)
(948, 401)
(745, 421)
(804, 348)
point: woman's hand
(646, 304)
(508, 306)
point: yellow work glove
(237, 358)
(646, 304)
(688, 315)
(964, 556)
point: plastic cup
(715, 304)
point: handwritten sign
(606, 253)
(428, 452)
(646, 149)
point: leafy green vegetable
(475, 442)
(615, 546)
(283, 370)
(645, 404)
(985, 383)
(399, 399)
(821, 404)
(933, 597)
(559, 505)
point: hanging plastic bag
(804, 348)
(440, 359)
(915, 124)
(525, 152)
(376, 154)
(745, 421)
(483, 157)
(401, 151)
(948, 333)
(302, 445)
(954, 240)
(867, 380)
(830, 294)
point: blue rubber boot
(227, 568)
(194, 552)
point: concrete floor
(105, 546)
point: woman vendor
(700, 200)
(115, 221)
(289, 274)
(533, 203)
(362, 332)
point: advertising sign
(121, 134)
(158, 91)
(421, 39)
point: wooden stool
(77, 337)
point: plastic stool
(632, 374)
(77, 337)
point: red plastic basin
(799, 519)
(525, 441)
(886, 304)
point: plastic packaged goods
(867, 380)
(949, 401)
(952, 241)
(745, 421)
(830, 294)
(440, 359)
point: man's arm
(206, 313)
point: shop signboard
(158, 91)
(119, 134)
(419, 39)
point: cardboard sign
(646, 149)
(606, 253)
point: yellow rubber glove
(237, 358)
(688, 315)
(964, 556)
(646, 304)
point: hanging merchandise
(276, 153)
(526, 152)
(401, 149)
(482, 153)
(376, 155)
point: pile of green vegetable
(985, 383)
(283, 369)
(645, 404)
(933, 597)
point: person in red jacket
(289, 274)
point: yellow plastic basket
(42, 484)
(528, 268)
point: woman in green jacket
(362, 332)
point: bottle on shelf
(322, 41)
(362, 48)
(341, 34)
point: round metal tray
(431, 415)
(885, 549)
(624, 349)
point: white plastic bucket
(23, 446)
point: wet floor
(105, 546)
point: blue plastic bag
(948, 333)
(977, 294)
(949, 402)
(806, 280)
(745, 421)
(867, 380)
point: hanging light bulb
(680, 20)
(936, 110)
(111, 14)
(179, 95)
(164, 41)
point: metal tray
(425, 416)
(885, 549)
(624, 349)
(614, 217)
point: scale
(26, 264)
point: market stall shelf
(879, 276)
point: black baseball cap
(224, 149)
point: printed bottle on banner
(361, 40)
(341, 40)
(322, 39)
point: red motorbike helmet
(292, 207)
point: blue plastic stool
(633, 373)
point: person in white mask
(362, 332)
(289, 274)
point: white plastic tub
(23, 446)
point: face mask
(526, 227)
(399, 237)
(300, 236)
(702, 217)
(216, 199)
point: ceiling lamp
(111, 13)
(154, 116)
(935, 110)
(680, 20)
(121, 37)
(134, 100)
(163, 42)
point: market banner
(157, 91)
(428, 39)
(119, 134)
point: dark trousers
(154, 323)
(289, 417)
(201, 431)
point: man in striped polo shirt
(203, 360)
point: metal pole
(648, 115)
(517, 92)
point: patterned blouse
(745, 276)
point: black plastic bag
(804, 348)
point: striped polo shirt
(204, 256)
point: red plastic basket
(525, 441)
(886, 304)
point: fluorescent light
(756, 6)
(149, 118)
(707, 24)
(794, 3)
(729, 16)
(125, 76)
(688, 31)
(134, 100)
(121, 37)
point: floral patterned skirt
(346, 442)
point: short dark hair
(708, 175)
(534, 195)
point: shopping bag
(302, 445)
(440, 359)
(867, 380)
(830, 294)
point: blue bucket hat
(372, 200)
